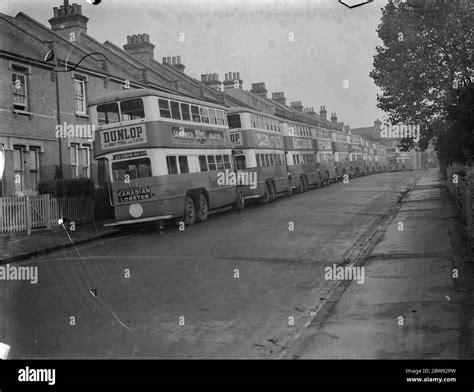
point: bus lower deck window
(203, 163)
(211, 162)
(172, 165)
(183, 164)
(219, 162)
(136, 168)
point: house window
(20, 96)
(74, 150)
(80, 95)
(84, 161)
(34, 165)
(18, 168)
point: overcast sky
(331, 43)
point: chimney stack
(212, 81)
(333, 118)
(230, 80)
(279, 97)
(174, 61)
(309, 111)
(259, 89)
(377, 123)
(68, 19)
(139, 46)
(323, 113)
(297, 106)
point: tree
(425, 66)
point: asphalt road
(241, 285)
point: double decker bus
(340, 146)
(300, 156)
(356, 155)
(163, 153)
(259, 151)
(322, 144)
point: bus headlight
(135, 210)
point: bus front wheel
(189, 211)
(201, 215)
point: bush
(69, 187)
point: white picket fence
(42, 211)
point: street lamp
(48, 58)
(2, 167)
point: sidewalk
(409, 280)
(18, 246)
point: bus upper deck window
(165, 111)
(234, 121)
(227, 162)
(212, 116)
(175, 113)
(240, 162)
(132, 109)
(220, 117)
(185, 112)
(195, 113)
(108, 113)
(183, 164)
(204, 115)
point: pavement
(19, 245)
(416, 301)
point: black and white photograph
(286, 180)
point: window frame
(82, 81)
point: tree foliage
(424, 69)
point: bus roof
(144, 92)
(241, 109)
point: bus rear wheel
(201, 214)
(267, 195)
(272, 192)
(289, 189)
(239, 204)
(189, 211)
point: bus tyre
(189, 211)
(201, 214)
(289, 189)
(266, 196)
(272, 192)
(239, 204)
